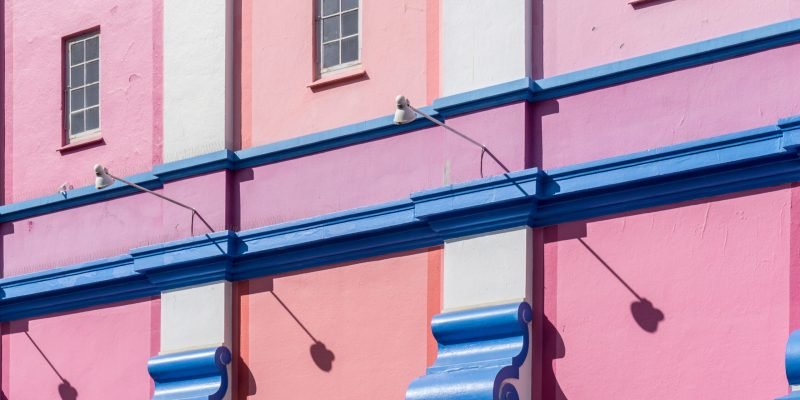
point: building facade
(613, 217)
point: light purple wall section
(113, 227)
(718, 271)
(130, 41)
(382, 170)
(100, 352)
(706, 101)
(583, 33)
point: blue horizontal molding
(682, 57)
(731, 163)
(524, 89)
(191, 375)
(480, 349)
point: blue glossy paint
(479, 350)
(525, 89)
(191, 375)
(731, 163)
(793, 364)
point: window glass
(82, 111)
(338, 37)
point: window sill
(339, 78)
(95, 139)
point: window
(82, 76)
(338, 41)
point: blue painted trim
(752, 159)
(525, 89)
(793, 365)
(191, 375)
(479, 350)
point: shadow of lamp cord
(321, 355)
(644, 313)
(65, 389)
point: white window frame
(68, 88)
(320, 42)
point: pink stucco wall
(281, 52)
(725, 97)
(583, 33)
(383, 170)
(716, 270)
(129, 85)
(371, 316)
(91, 354)
(112, 227)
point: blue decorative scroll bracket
(479, 350)
(793, 366)
(191, 375)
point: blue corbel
(793, 366)
(191, 375)
(479, 350)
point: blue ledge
(756, 158)
(525, 89)
(192, 375)
(480, 350)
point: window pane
(349, 49)
(348, 4)
(92, 95)
(92, 118)
(76, 53)
(350, 23)
(76, 76)
(93, 72)
(92, 48)
(76, 99)
(330, 28)
(76, 123)
(330, 55)
(329, 7)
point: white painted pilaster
(198, 77)
(488, 269)
(483, 43)
(196, 317)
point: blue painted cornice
(730, 163)
(793, 365)
(191, 375)
(479, 351)
(525, 89)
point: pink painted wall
(583, 33)
(282, 49)
(112, 227)
(383, 170)
(129, 84)
(100, 352)
(706, 101)
(717, 271)
(371, 316)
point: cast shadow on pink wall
(644, 313)
(320, 354)
(65, 390)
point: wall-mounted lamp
(103, 179)
(406, 113)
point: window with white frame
(83, 86)
(338, 31)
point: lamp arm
(463, 136)
(177, 203)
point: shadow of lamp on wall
(65, 390)
(646, 315)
